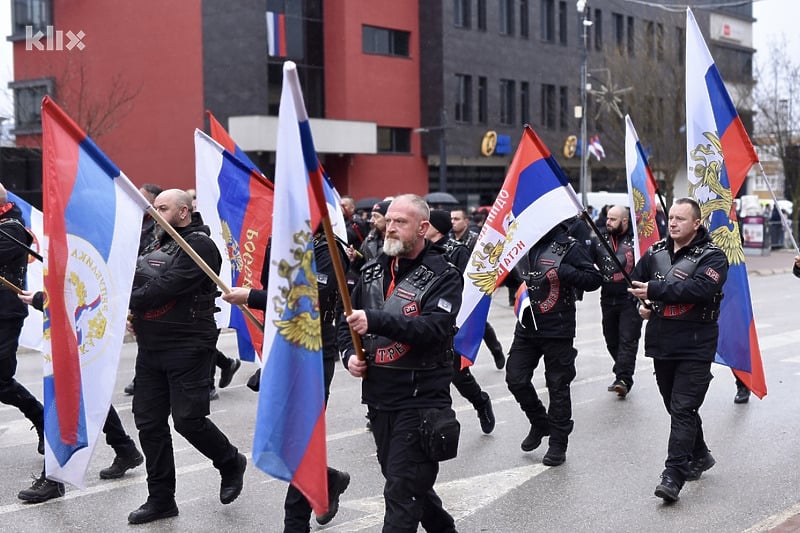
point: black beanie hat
(440, 219)
(381, 207)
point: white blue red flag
(522, 303)
(641, 192)
(31, 335)
(276, 34)
(90, 253)
(289, 440)
(719, 156)
(332, 197)
(221, 135)
(535, 197)
(236, 204)
(595, 148)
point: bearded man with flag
(404, 307)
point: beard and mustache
(394, 247)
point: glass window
(524, 21)
(631, 41)
(463, 111)
(598, 30)
(562, 23)
(482, 15)
(548, 21)
(28, 96)
(461, 13)
(34, 13)
(507, 97)
(548, 110)
(619, 32)
(394, 140)
(507, 17)
(384, 41)
(483, 99)
(524, 103)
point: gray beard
(395, 247)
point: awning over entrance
(255, 133)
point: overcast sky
(775, 17)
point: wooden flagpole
(199, 260)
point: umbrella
(365, 204)
(441, 198)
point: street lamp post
(583, 9)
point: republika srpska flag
(90, 257)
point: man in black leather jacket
(13, 267)
(682, 276)
(172, 303)
(554, 269)
(404, 307)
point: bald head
(617, 220)
(175, 206)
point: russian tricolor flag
(536, 195)
(719, 156)
(90, 253)
(236, 203)
(641, 191)
(289, 441)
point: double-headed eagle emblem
(713, 196)
(297, 305)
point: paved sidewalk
(778, 261)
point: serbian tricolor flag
(719, 156)
(276, 34)
(332, 197)
(236, 204)
(522, 303)
(536, 195)
(31, 335)
(221, 135)
(289, 440)
(641, 192)
(90, 253)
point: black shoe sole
(334, 504)
(169, 513)
(116, 475)
(40, 498)
(664, 493)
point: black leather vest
(683, 269)
(14, 270)
(184, 309)
(544, 286)
(624, 252)
(406, 299)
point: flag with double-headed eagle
(90, 256)
(289, 440)
(236, 203)
(536, 195)
(719, 156)
(641, 192)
